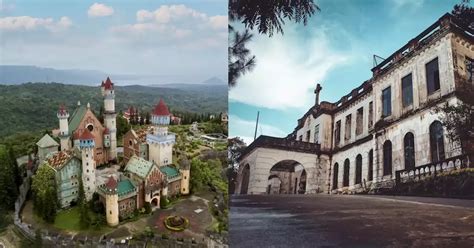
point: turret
(111, 202)
(63, 116)
(87, 144)
(160, 142)
(185, 169)
(110, 115)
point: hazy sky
(335, 49)
(182, 41)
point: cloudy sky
(335, 49)
(182, 41)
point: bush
(164, 202)
(148, 207)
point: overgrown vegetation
(45, 198)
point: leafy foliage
(8, 183)
(45, 199)
(235, 147)
(464, 13)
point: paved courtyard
(350, 221)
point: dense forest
(32, 107)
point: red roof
(111, 183)
(108, 84)
(161, 109)
(75, 135)
(86, 135)
(62, 110)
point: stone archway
(154, 202)
(274, 185)
(245, 178)
(292, 176)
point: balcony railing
(432, 169)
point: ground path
(350, 221)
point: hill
(33, 106)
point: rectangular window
(386, 102)
(337, 132)
(348, 127)
(371, 114)
(301, 138)
(360, 121)
(432, 76)
(407, 90)
(308, 135)
(469, 69)
(316, 134)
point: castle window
(436, 142)
(432, 76)
(348, 127)
(386, 102)
(308, 135)
(301, 138)
(337, 132)
(316, 134)
(360, 121)
(387, 158)
(335, 176)
(110, 212)
(371, 114)
(370, 173)
(185, 178)
(87, 170)
(358, 174)
(409, 151)
(345, 178)
(407, 90)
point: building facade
(384, 131)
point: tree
(464, 13)
(45, 199)
(8, 184)
(84, 217)
(267, 17)
(235, 147)
(38, 243)
(122, 126)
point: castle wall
(67, 180)
(100, 153)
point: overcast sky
(335, 49)
(180, 40)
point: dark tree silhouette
(267, 17)
(464, 13)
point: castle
(86, 143)
(382, 133)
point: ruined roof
(46, 141)
(281, 144)
(76, 117)
(169, 171)
(59, 159)
(139, 166)
(161, 109)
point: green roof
(124, 187)
(46, 141)
(169, 171)
(139, 166)
(76, 118)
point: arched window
(335, 176)
(409, 151)
(345, 179)
(245, 180)
(436, 142)
(370, 172)
(387, 158)
(358, 174)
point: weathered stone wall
(325, 134)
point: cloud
(5, 7)
(245, 129)
(98, 10)
(406, 4)
(219, 22)
(288, 68)
(28, 23)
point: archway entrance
(274, 185)
(154, 202)
(244, 187)
(291, 176)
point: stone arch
(345, 178)
(154, 202)
(292, 175)
(245, 175)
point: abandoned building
(383, 132)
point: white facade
(88, 171)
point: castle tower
(63, 116)
(87, 144)
(111, 202)
(110, 115)
(184, 168)
(160, 141)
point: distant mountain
(33, 106)
(18, 74)
(214, 80)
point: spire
(111, 184)
(317, 91)
(108, 85)
(62, 110)
(161, 109)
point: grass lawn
(68, 219)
